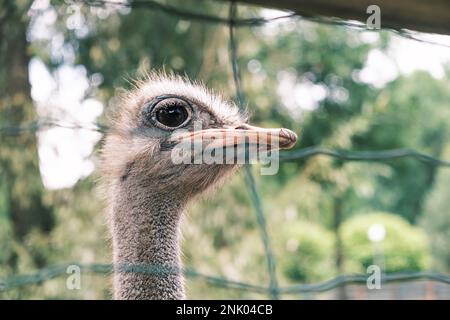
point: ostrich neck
(146, 244)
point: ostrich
(147, 193)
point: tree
(405, 247)
(20, 183)
(436, 220)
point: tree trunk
(342, 295)
(19, 165)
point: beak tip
(289, 138)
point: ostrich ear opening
(268, 138)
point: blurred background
(342, 88)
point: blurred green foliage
(307, 203)
(404, 248)
(436, 221)
(308, 251)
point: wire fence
(61, 270)
(341, 154)
(272, 289)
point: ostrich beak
(269, 139)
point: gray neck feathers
(146, 243)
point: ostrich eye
(171, 113)
(172, 116)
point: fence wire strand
(349, 155)
(273, 290)
(312, 151)
(249, 178)
(61, 270)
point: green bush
(307, 252)
(405, 247)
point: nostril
(241, 127)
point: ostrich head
(164, 112)
(147, 190)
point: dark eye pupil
(172, 115)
